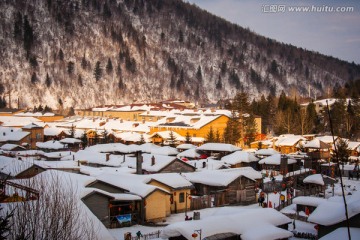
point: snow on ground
(300, 226)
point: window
(181, 198)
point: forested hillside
(82, 53)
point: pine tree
(219, 83)
(172, 139)
(180, 83)
(187, 137)
(199, 74)
(72, 131)
(210, 137)
(217, 136)
(34, 78)
(341, 153)
(142, 139)
(48, 80)
(232, 132)
(80, 80)
(28, 36)
(61, 55)
(84, 139)
(109, 67)
(181, 36)
(18, 27)
(70, 67)
(84, 63)
(97, 71)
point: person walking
(139, 235)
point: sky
(327, 27)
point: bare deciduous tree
(58, 213)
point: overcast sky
(331, 33)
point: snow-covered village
(151, 173)
(179, 120)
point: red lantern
(194, 235)
(189, 197)
(174, 193)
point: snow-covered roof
(316, 144)
(265, 219)
(186, 146)
(10, 147)
(148, 147)
(35, 114)
(161, 161)
(70, 140)
(115, 196)
(54, 131)
(275, 160)
(239, 157)
(12, 166)
(32, 126)
(132, 136)
(13, 121)
(315, 178)
(214, 177)
(309, 201)
(266, 152)
(333, 211)
(207, 164)
(95, 158)
(327, 139)
(173, 180)
(113, 147)
(166, 150)
(167, 135)
(58, 164)
(12, 134)
(353, 145)
(220, 147)
(50, 145)
(341, 233)
(289, 140)
(190, 153)
(57, 154)
(133, 183)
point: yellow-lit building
(36, 134)
(179, 189)
(195, 126)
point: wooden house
(288, 143)
(155, 201)
(241, 159)
(178, 187)
(195, 126)
(113, 205)
(330, 214)
(36, 134)
(161, 164)
(226, 188)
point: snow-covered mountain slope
(58, 53)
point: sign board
(124, 218)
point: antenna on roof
(340, 175)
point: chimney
(107, 157)
(139, 160)
(152, 161)
(283, 164)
